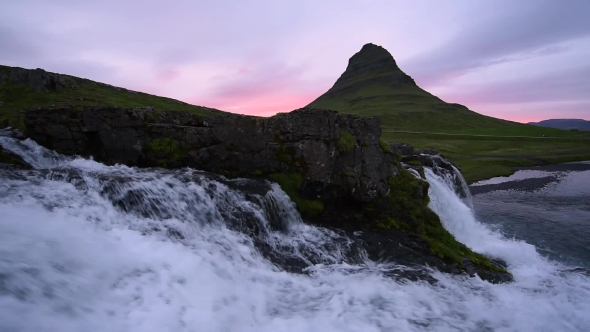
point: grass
(346, 141)
(484, 157)
(389, 94)
(409, 211)
(291, 183)
(16, 98)
(409, 108)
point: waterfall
(90, 247)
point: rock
(373, 59)
(402, 149)
(38, 79)
(305, 142)
(334, 168)
(9, 160)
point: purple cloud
(276, 56)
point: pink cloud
(167, 75)
(259, 104)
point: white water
(71, 261)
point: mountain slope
(564, 124)
(373, 85)
(22, 89)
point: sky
(525, 60)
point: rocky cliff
(334, 167)
(322, 147)
(38, 79)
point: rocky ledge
(334, 167)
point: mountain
(22, 89)
(566, 124)
(374, 85)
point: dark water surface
(548, 207)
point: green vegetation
(291, 183)
(485, 157)
(412, 115)
(346, 141)
(414, 163)
(408, 202)
(169, 147)
(385, 146)
(16, 98)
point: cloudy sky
(523, 60)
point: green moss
(346, 141)
(390, 223)
(385, 146)
(150, 117)
(291, 183)
(421, 172)
(408, 210)
(169, 146)
(288, 156)
(350, 174)
(414, 163)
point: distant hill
(565, 124)
(22, 89)
(374, 85)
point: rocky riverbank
(334, 167)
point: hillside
(374, 85)
(22, 89)
(566, 124)
(482, 146)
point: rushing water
(89, 247)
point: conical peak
(372, 60)
(371, 55)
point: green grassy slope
(16, 98)
(373, 85)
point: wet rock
(306, 141)
(402, 149)
(332, 166)
(9, 160)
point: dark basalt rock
(305, 142)
(334, 167)
(38, 79)
(9, 160)
(376, 61)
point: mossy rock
(291, 183)
(385, 146)
(407, 210)
(346, 142)
(166, 150)
(13, 160)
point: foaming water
(89, 247)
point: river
(90, 247)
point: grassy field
(485, 157)
(401, 107)
(15, 99)
(373, 85)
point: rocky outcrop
(373, 60)
(325, 148)
(334, 167)
(38, 79)
(8, 159)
